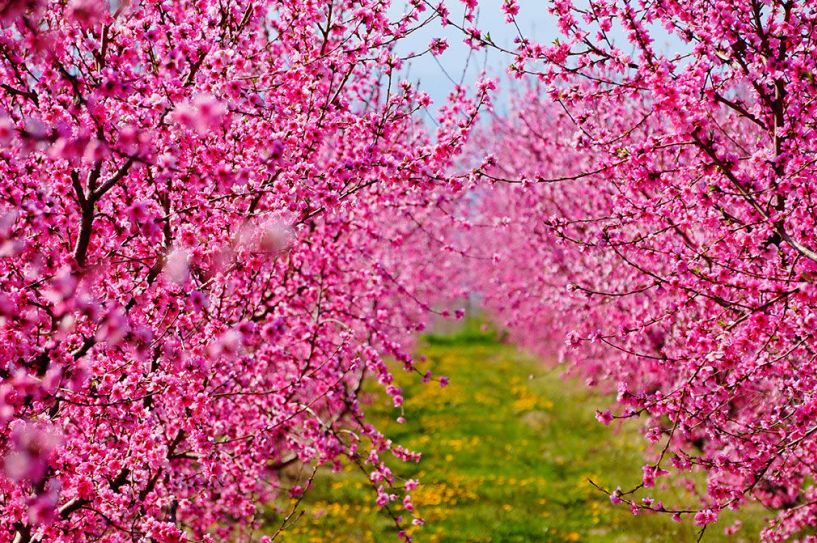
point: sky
(437, 75)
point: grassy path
(508, 448)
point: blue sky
(459, 62)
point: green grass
(508, 448)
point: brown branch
(114, 179)
(740, 109)
(88, 199)
(30, 95)
(84, 238)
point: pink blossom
(275, 236)
(177, 265)
(438, 46)
(203, 114)
(705, 516)
(31, 446)
(6, 130)
(605, 417)
(733, 528)
(10, 10)
(296, 491)
(511, 9)
(87, 12)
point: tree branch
(88, 201)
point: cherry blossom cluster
(652, 215)
(211, 232)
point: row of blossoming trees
(655, 218)
(218, 218)
(209, 236)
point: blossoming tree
(208, 237)
(655, 212)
